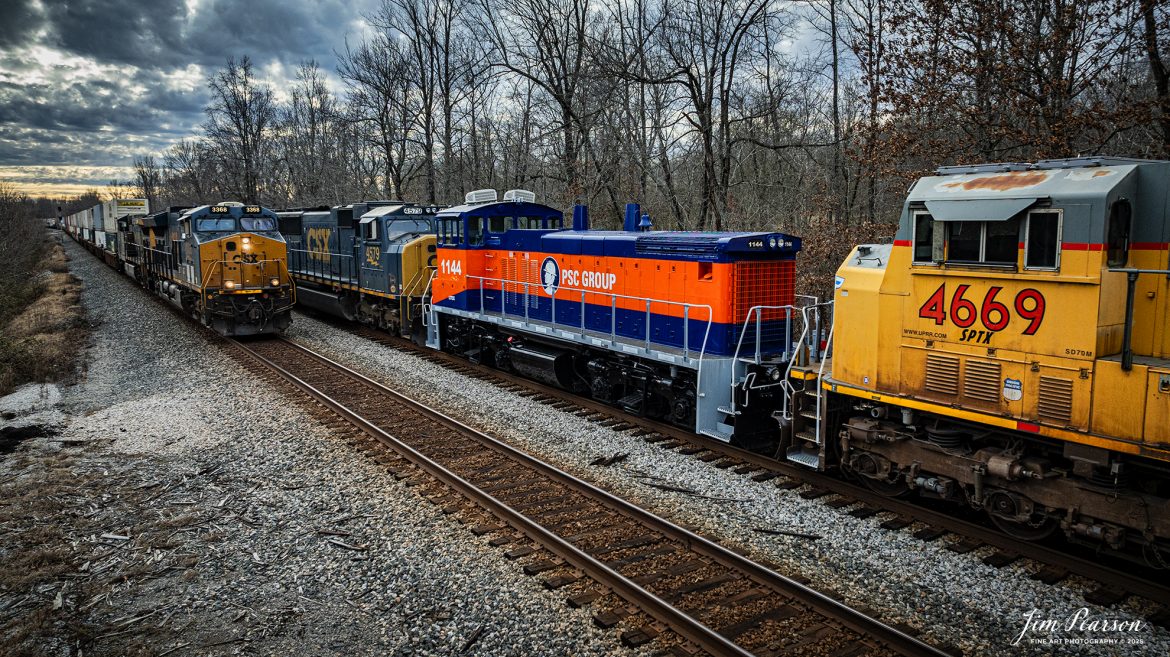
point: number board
(253, 209)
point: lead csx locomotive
(223, 264)
(1007, 352)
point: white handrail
(613, 297)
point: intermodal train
(226, 264)
(1007, 352)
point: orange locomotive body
(651, 320)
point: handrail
(613, 297)
(810, 316)
(320, 264)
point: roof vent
(520, 196)
(480, 196)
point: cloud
(22, 21)
(97, 82)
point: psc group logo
(550, 275)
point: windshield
(257, 223)
(209, 224)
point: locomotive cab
(1010, 348)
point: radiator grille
(942, 374)
(981, 381)
(1055, 402)
(764, 284)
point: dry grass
(41, 340)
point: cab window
(370, 230)
(1117, 233)
(497, 224)
(983, 242)
(1042, 242)
(475, 231)
(528, 222)
(257, 223)
(211, 224)
(928, 239)
(450, 230)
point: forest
(809, 116)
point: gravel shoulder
(952, 598)
(182, 507)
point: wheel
(865, 467)
(1005, 510)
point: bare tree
(148, 178)
(546, 43)
(380, 93)
(239, 121)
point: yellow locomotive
(1010, 351)
(224, 264)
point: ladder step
(807, 436)
(798, 455)
(717, 435)
(811, 415)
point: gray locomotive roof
(1022, 184)
(1082, 188)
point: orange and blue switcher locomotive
(652, 321)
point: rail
(686, 624)
(615, 336)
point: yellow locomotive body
(1010, 349)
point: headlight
(275, 282)
(246, 239)
(772, 242)
(393, 289)
(229, 285)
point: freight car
(669, 325)
(96, 227)
(224, 264)
(371, 261)
(1010, 352)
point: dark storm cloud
(160, 34)
(20, 20)
(97, 82)
(120, 31)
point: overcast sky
(85, 85)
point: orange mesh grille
(771, 283)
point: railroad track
(1113, 584)
(713, 600)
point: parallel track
(1114, 584)
(707, 595)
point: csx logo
(317, 243)
(373, 255)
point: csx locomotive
(1010, 351)
(370, 262)
(224, 264)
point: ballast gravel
(951, 598)
(190, 510)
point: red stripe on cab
(1082, 246)
(901, 242)
(1028, 426)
